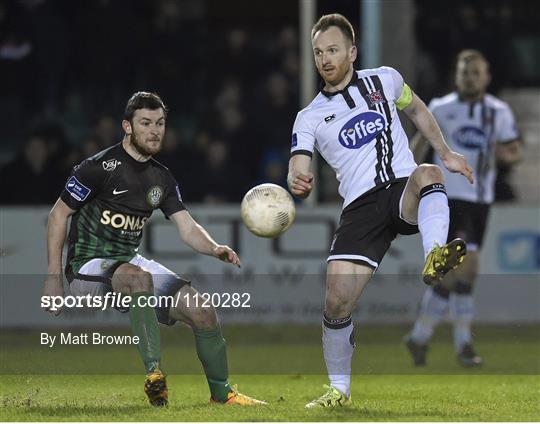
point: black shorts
(468, 221)
(369, 224)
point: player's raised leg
(424, 202)
(133, 281)
(345, 282)
(210, 344)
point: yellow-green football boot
(332, 398)
(442, 259)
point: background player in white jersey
(483, 129)
(353, 123)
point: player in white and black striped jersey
(354, 125)
(483, 129)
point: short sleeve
(507, 129)
(401, 92)
(303, 138)
(85, 181)
(172, 201)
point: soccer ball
(268, 210)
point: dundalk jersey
(114, 195)
(474, 129)
(358, 132)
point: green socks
(144, 324)
(212, 353)
(211, 348)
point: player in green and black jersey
(109, 197)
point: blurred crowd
(231, 83)
(232, 92)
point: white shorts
(94, 279)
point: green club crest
(154, 196)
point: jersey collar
(462, 100)
(354, 79)
(132, 161)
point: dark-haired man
(110, 196)
(483, 129)
(353, 123)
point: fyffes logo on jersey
(361, 129)
(123, 221)
(470, 138)
(154, 196)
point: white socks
(338, 347)
(462, 313)
(433, 216)
(432, 311)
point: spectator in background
(277, 107)
(173, 23)
(285, 52)
(197, 152)
(27, 179)
(183, 161)
(233, 49)
(274, 167)
(229, 124)
(91, 144)
(108, 59)
(16, 69)
(61, 154)
(107, 130)
(222, 180)
(52, 46)
(271, 121)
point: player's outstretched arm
(56, 237)
(423, 119)
(300, 179)
(196, 237)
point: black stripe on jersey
(362, 88)
(383, 138)
(471, 109)
(485, 157)
(347, 96)
(480, 188)
(482, 155)
(388, 133)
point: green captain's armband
(406, 97)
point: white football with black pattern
(268, 210)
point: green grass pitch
(284, 367)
